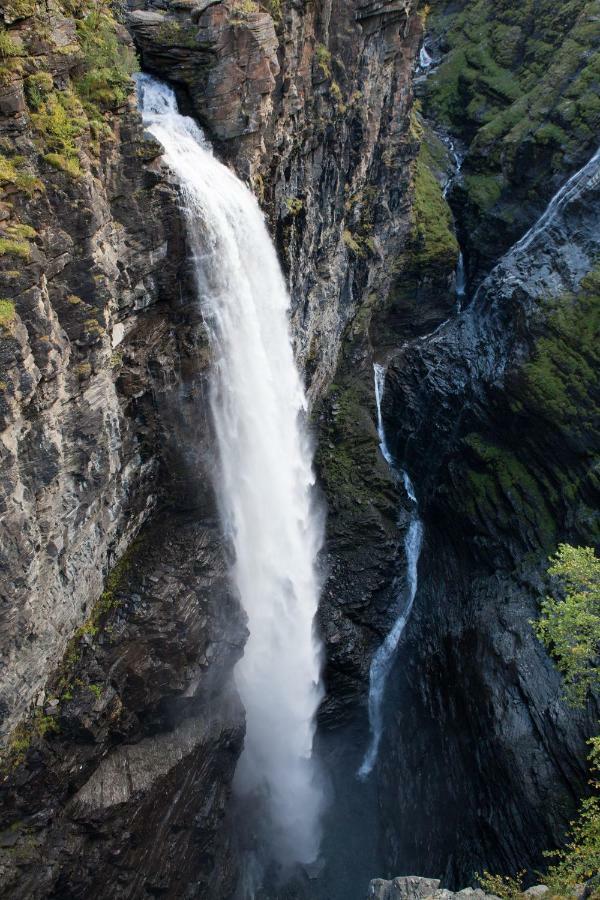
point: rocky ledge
(412, 887)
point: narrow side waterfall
(265, 479)
(383, 659)
(585, 177)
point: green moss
(12, 172)
(10, 45)
(323, 58)
(484, 190)
(10, 247)
(68, 165)
(559, 380)
(108, 600)
(499, 484)
(7, 313)
(295, 205)
(434, 238)
(520, 85)
(20, 231)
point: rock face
(314, 111)
(500, 437)
(85, 260)
(122, 781)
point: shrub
(37, 88)
(569, 625)
(108, 63)
(323, 57)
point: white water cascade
(383, 659)
(585, 177)
(265, 477)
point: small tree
(569, 625)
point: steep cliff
(104, 431)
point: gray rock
(408, 887)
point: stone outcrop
(412, 887)
(121, 780)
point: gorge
(327, 243)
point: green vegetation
(499, 485)
(274, 7)
(245, 7)
(519, 83)
(9, 247)
(7, 313)
(9, 46)
(107, 601)
(295, 205)
(37, 88)
(434, 238)
(38, 725)
(323, 57)
(504, 886)
(358, 244)
(61, 120)
(560, 378)
(569, 625)
(12, 172)
(109, 64)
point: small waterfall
(425, 59)
(383, 659)
(461, 281)
(585, 177)
(264, 483)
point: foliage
(12, 172)
(37, 88)
(60, 121)
(108, 64)
(323, 57)
(569, 625)
(504, 886)
(9, 247)
(7, 313)
(579, 861)
(9, 46)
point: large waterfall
(383, 659)
(265, 477)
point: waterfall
(425, 59)
(383, 659)
(265, 478)
(460, 281)
(585, 177)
